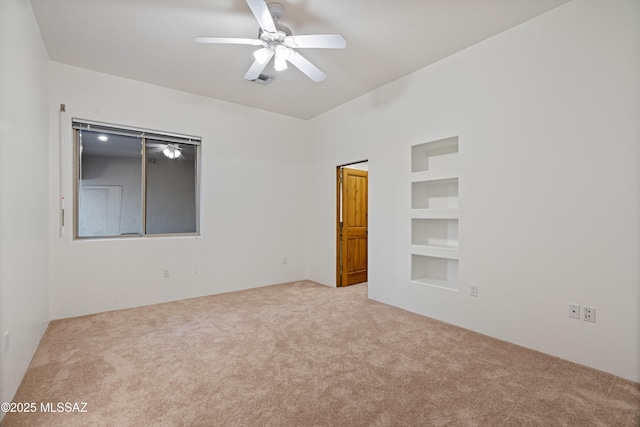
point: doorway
(352, 228)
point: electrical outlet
(473, 290)
(590, 314)
(284, 260)
(5, 343)
(166, 273)
(574, 311)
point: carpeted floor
(302, 354)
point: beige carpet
(302, 354)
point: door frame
(338, 210)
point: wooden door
(352, 226)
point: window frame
(79, 125)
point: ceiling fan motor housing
(276, 10)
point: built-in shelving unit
(434, 213)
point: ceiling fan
(275, 40)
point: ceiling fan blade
(323, 41)
(229, 40)
(257, 67)
(263, 16)
(306, 67)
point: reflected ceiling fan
(170, 150)
(275, 40)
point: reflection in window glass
(171, 187)
(110, 185)
(134, 182)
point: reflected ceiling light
(172, 151)
(103, 138)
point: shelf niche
(441, 272)
(437, 233)
(436, 155)
(439, 194)
(434, 215)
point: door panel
(353, 253)
(99, 210)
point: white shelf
(450, 247)
(451, 286)
(435, 175)
(435, 251)
(435, 213)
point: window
(133, 182)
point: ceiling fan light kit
(262, 55)
(276, 41)
(279, 64)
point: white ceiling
(152, 41)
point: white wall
(252, 195)
(24, 311)
(547, 116)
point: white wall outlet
(574, 311)
(590, 314)
(5, 342)
(284, 260)
(473, 290)
(166, 273)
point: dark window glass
(132, 182)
